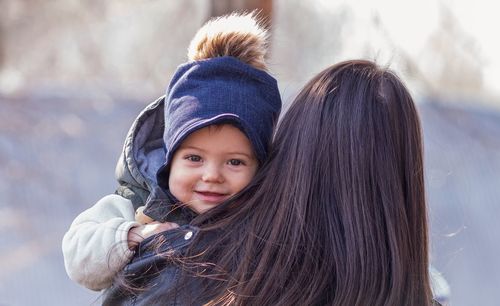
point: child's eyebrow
(191, 147)
(250, 156)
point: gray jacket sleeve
(95, 247)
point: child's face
(211, 165)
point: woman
(337, 216)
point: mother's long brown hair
(338, 215)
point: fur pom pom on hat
(237, 35)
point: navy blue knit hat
(220, 90)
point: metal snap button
(188, 235)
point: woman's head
(360, 182)
(338, 215)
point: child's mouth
(212, 197)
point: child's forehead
(217, 130)
(217, 126)
(220, 137)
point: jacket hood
(142, 155)
(143, 151)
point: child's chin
(202, 207)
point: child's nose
(212, 173)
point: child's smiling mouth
(211, 197)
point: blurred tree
(2, 16)
(1, 47)
(455, 56)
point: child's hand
(139, 233)
(141, 217)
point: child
(186, 152)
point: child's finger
(158, 227)
(141, 217)
(168, 226)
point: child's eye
(235, 162)
(193, 158)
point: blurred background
(74, 74)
